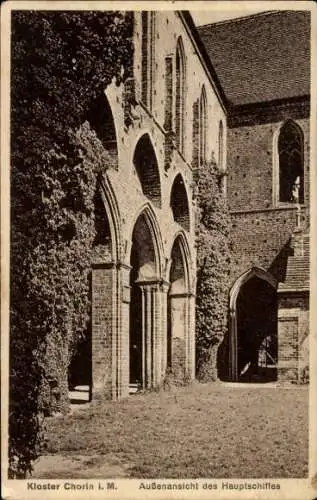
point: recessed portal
(256, 310)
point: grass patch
(202, 430)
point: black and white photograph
(157, 279)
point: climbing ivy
(61, 63)
(213, 265)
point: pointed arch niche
(146, 166)
(179, 202)
(288, 178)
(178, 345)
(101, 121)
(202, 126)
(180, 95)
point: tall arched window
(220, 147)
(202, 126)
(221, 165)
(291, 163)
(147, 56)
(180, 96)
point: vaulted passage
(147, 169)
(179, 202)
(143, 317)
(254, 332)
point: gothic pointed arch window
(147, 57)
(202, 126)
(221, 164)
(220, 147)
(291, 164)
(180, 96)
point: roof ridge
(242, 18)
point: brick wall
(102, 307)
(261, 227)
(251, 159)
(293, 329)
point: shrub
(61, 63)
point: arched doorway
(144, 320)
(253, 328)
(178, 312)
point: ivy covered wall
(61, 63)
(213, 267)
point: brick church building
(237, 91)
(263, 65)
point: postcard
(158, 190)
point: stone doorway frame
(233, 324)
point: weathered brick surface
(252, 153)
(143, 165)
(138, 187)
(102, 305)
(264, 231)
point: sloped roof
(261, 57)
(297, 271)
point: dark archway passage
(249, 349)
(256, 311)
(79, 370)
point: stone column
(233, 347)
(122, 355)
(165, 285)
(157, 347)
(151, 333)
(191, 352)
